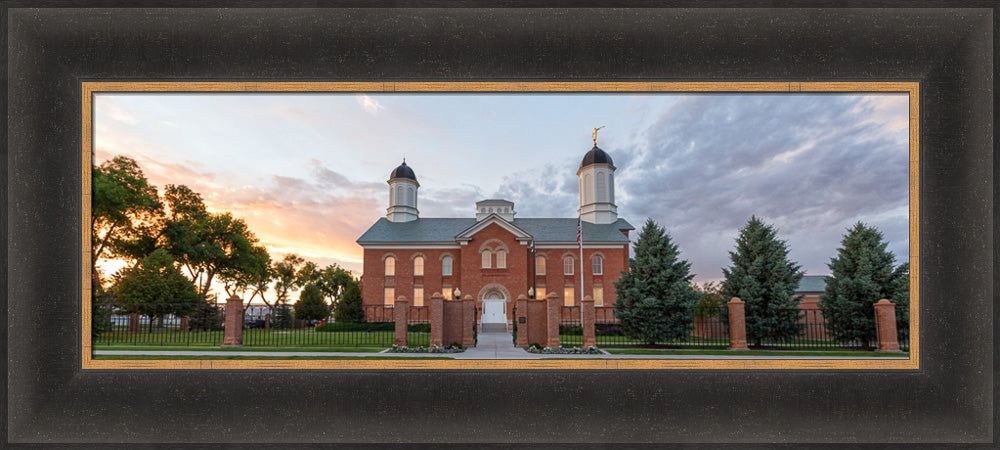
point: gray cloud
(811, 166)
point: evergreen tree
(764, 278)
(863, 273)
(311, 305)
(655, 298)
(348, 309)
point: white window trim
(385, 265)
(571, 266)
(486, 259)
(593, 264)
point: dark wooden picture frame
(950, 52)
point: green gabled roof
(430, 230)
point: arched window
(540, 265)
(568, 264)
(487, 259)
(409, 197)
(418, 266)
(399, 195)
(390, 266)
(501, 259)
(588, 189)
(598, 263)
(446, 266)
(392, 196)
(602, 185)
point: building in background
(494, 256)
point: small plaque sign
(522, 319)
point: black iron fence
(280, 326)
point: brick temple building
(494, 256)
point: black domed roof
(403, 171)
(596, 156)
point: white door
(494, 311)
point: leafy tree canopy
(156, 287)
(311, 305)
(125, 208)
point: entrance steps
(494, 328)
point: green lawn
(242, 349)
(126, 357)
(850, 353)
(260, 338)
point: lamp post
(534, 271)
(458, 293)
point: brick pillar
(267, 321)
(521, 321)
(133, 323)
(885, 326)
(552, 337)
(468, 321)
(437, 319)
(587, 305)
(184, 323)
(737, 324)
(400, 310)
(233, 336)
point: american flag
(579, 232)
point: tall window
(501, 259)
(389, 294)
(540, 292)
(418, 266)
(418, 296)
(568, 296)
(399, 195)
(587, 188)
(487, 259)
(598, 295)
(598, 262)
(390, 266)
(446, 266)
(568, 265)
(540, 265)
(446, 292)
(602, 184)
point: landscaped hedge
(374, 326)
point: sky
(308, 171)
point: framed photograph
(940, 60)
(319, 195)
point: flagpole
(579, 239)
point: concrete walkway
(491, 345)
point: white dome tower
(402, 195)
(597, 187)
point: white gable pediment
(519, 234)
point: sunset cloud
(308, 172)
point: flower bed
(431, 349)
(588, 350)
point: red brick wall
(374, 280)
(468, 275)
